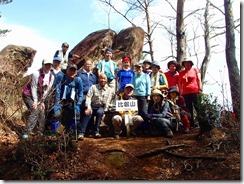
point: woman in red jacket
(172, 75)
(190, 85)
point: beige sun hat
(187, 59)
(156, 92)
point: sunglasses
(65, 46)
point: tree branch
(171, 5)
(217, 8)
(193, 12)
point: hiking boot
(133, 134)
(97, 135)
(81, 137)
(24, 136)
(186, 131)
(116, 136)
(169, 134)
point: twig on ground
(159, 150)
(196, 156)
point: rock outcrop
(127, 42)
(14, 62)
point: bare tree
(234, 73)
(138, 6)
(180, 31)
(207, 56)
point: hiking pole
(76, 131)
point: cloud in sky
(26, 36)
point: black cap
(72, 66)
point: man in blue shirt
(88, 79)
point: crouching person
(160, 115)
(97, 102)
(69, 96)
(118, 119)
(177, 103)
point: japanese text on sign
(126, 105)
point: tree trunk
(207, 56)
(234, 73)
(149, 29)
(180, 32)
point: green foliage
(209, 110)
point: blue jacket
(125, 77)
(58, 79)
(76, 84)
(160, 110)
(87, 83)
(142, 84)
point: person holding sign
(127, 115)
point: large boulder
(14, 62)
(92, 46)
(127, 42)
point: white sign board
(126, 105)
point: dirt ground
(183, 157)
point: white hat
(47, 61)
(129, 85)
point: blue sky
(45, 24)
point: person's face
(126, 64)
(172, 67)
(102, 80)
(187, 64)
(71, 72)
(128, 91)
(56, 64)
(138, 69)
(146, 66)
(156, 98)
(88, 66)
(47, 67)
(65, 47)
(173, 95)
(154, 69)
(108, 55)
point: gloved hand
(77, 108)
(56, 108)
(149, 116)
(57, 111)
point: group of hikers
(62, 97)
